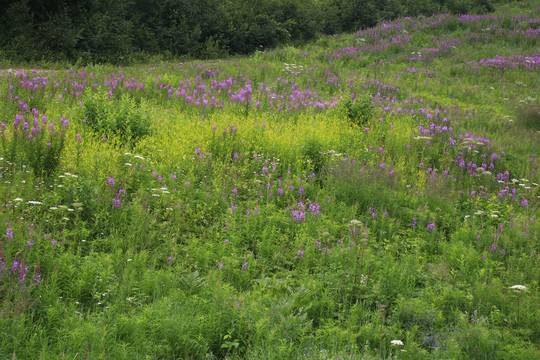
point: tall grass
(371, 195)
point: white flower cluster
(293, 69)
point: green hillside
(366, 195)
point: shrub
(359, 111)
(38, 147)
(122, 118)
(529, 117)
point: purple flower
(300, 254)
(117, 203)
(493, 247)
(244, 266)
(110, 181)
(298, 216)
(314, 209)
(524, 203)
(430, 227)
(9, 234)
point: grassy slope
(228, 232)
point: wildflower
(244, 266)
(396, 343)
(518, 288)
(300, 254)
(9, 234)
(117, 203)
(314, 209)
(110, 181)
(298, 216)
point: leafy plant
(359, 111)
(124, 118)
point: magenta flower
(9, 234)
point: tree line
(123, 31)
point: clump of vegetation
(358, 111)
(124, 118)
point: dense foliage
(122, 31)
(365, 196)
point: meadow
(371, 195)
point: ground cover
(369, 195)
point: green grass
(314, 202)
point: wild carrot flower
(518, 288)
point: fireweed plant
(368, 195)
